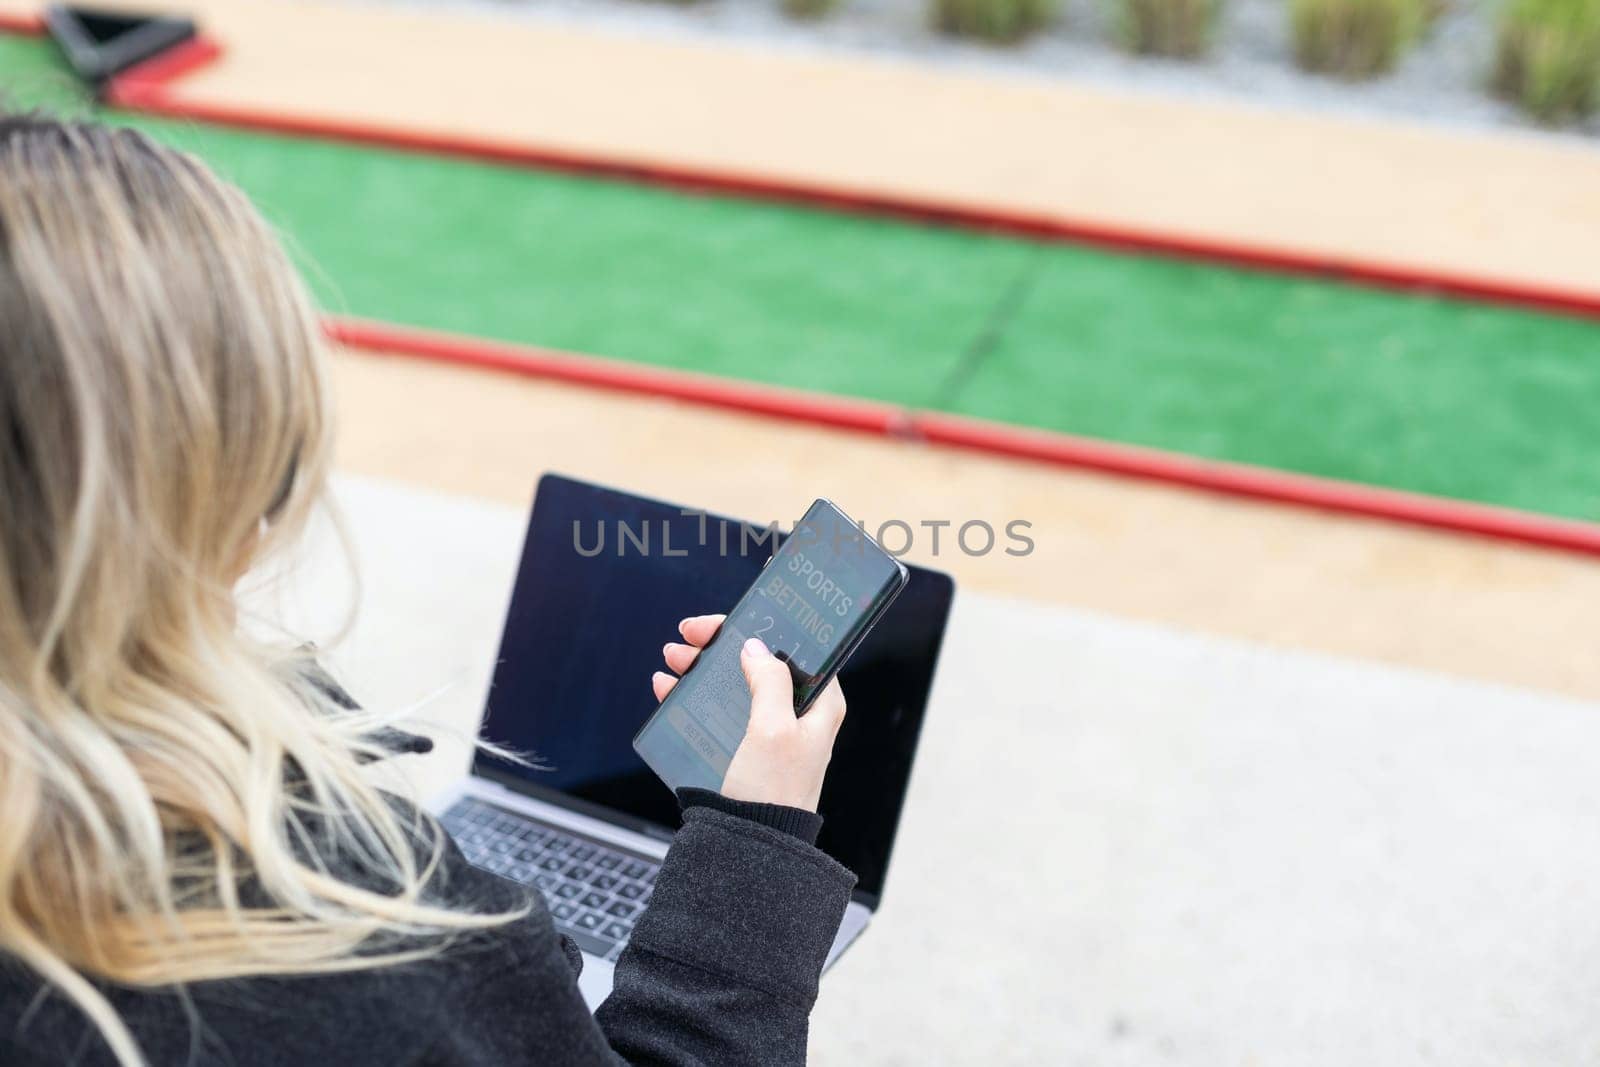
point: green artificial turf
(32, 75)
(781, 296)
(1445, 397)
(1466, 400)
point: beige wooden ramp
(1517, 210)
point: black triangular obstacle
(102, 44)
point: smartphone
(823, 589)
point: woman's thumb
(771, 688)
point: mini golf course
(1438, 396)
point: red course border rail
(145, 88)
(21, 24)
(820, 408)
(1059, 449)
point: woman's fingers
(679, 657)
(698, 630)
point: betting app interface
(811, 601)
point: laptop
(604, 579)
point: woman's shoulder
(389, 1014)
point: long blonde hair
(164, 423)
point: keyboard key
(596, 901)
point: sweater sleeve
(722, 968)
(724, 964)
(796, 822)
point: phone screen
(815, 599)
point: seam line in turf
(1007, 306)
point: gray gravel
(1440, 80)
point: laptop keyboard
(595, 892)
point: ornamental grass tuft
(1355, 38)
(1177, 28)
(808, 9)
(996, 21)
(1547, 58)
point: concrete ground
(1131, 844)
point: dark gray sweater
(722, 969)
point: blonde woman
(193, 866)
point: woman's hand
(782, 759)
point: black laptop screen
(605, 577)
